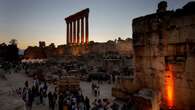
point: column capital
(87, 16)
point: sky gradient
(31, 21)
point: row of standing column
(73, 37)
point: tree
(119, 39)
(12, 51)
(91, 42)
(13, 42)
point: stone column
(82, 30)
(86, 30)
(78, 31)
(70, 38)
(67, 32)
(74, 31)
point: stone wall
(162, 39)
(125, 47)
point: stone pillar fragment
(78, 31)
(71, 33)
(82, 30)
(77, 26)
(67, 32)
(74, 32)
(86, 30)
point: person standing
(61, 101)
(92, 88)
(50, 98)
(54, 100)
(81, 105)
(25, 98)
(95, 91)
(25, 94)
(30, 99)
(41, 96)
(87, 103)
(45, 86)
(98, 91)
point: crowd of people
(73, 101)
(38, 94)
(104, 104)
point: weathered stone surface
(163, 39)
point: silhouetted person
(45, 86)
(34, 91)
(61, 101)
(41, 95)
(30, 99)
(50, 98)
(95, 91)
(113, 78)
(87, 103)
(54, 100)
(115, 106)
(26, 84)
(25, 97)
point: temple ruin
(78, 28)
(164, 59)
(164, 44)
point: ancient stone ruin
(75, 24)
(164, 46)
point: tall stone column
(86, 30)
(70, 38)
(74, 32)
(67, 32)
(82, 30)
(78, 28)
(78, 31)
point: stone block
(189, 67)
(171, 50)
(173, 36)
(187, 20)
(152, 50)
(139, 51)
(179, 67)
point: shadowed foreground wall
(162, 39)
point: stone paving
(105, 92)
(9, 102)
